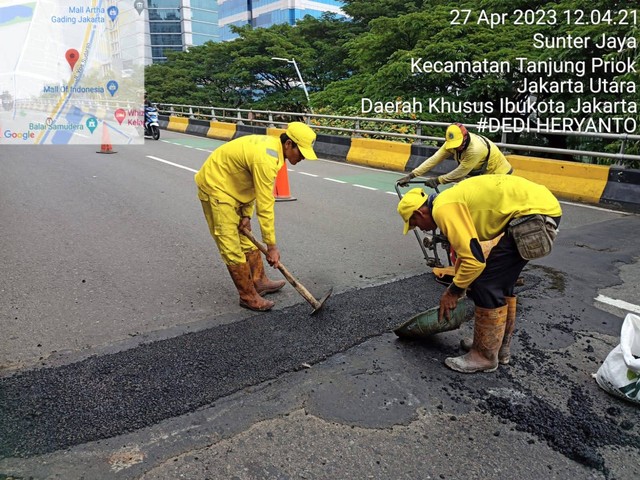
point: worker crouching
(480, 209)
(237, 178)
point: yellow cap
(304, 137)
(412, 201)
(455, 136)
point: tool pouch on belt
(533, 235)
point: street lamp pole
(304, 87)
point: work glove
(432, 182)
(406, 179)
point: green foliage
(370, 56)
(364, 11)
(242, 73)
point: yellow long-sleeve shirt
(470, 159)
(480, 208)
(243, 171)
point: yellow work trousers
(223, 217)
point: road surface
(126, 355)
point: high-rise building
(180, 24)
(264, 13)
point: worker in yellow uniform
(475, 210)
(236, 178)
(475, 154)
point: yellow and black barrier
(623, 188)
(221, 130)
(205, 128)
(571, 180)
(568, 180)
(178, 124)
(379, 153)
(581, 181)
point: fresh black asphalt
(50, 409)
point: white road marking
(593, 207)
(308, 174)
(364, 186)
(333, 180)
(618, 303)
(171, 163)
(208, 150)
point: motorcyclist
(151, 127)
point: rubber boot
(487, 339)
(263, 285)
(249, 298)
(504, 354)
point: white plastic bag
(620, 372)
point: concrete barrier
(623, 188)
(221, 131)
(332, 147)
(570, 180)
(178, 124)
(242, 130)
(379, 153)
(163, 121)
(419, 153)
(275, 132)
(197, 127)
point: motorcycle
(151, 125)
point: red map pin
(120, 114)
(72, 56)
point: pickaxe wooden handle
(316, 304)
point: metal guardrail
(273, 119)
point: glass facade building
(179, 24)
(264, 13)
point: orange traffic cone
(281, 188)
(106, 141)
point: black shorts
(499, 277)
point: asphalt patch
(577, 428)
(49, 409)
(577, 434)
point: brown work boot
(504, 354)
(263, 285)
(487, 338)
(249, 298)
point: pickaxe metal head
(320, 303)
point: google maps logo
(19, 135)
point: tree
(379, 55)
(363, 11)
